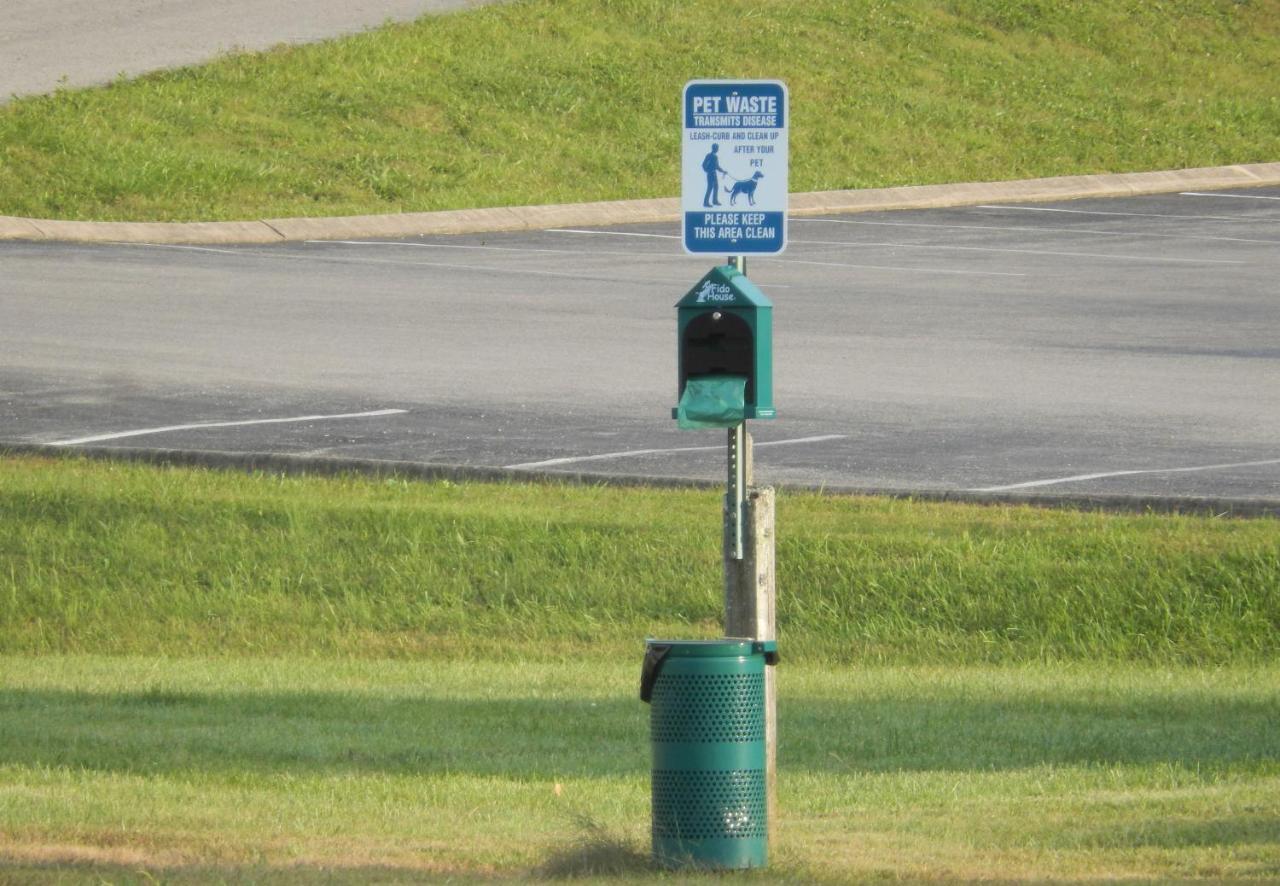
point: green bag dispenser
(724, 330)
(712, 401)
(707, 729)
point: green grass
(564, 100)
(125, 559)
(220, 677)
(304, 769)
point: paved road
(1123, 346)
(47, 43)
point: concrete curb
(623, 212)
(331, 466)
(1070, 187)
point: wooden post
(750, 599)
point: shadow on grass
(597, 852)
(69, 873)
(1227, 830)
(157, 731)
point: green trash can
(707, 729)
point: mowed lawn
(223, 677)
(302, 768)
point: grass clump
(565, 100)
(125, 559)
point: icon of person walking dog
(711, 166)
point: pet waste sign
(734, 167)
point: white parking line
(1038, 230)
(485, 247)
(1229, 218)
(554, 462)
(895, 268)
(594, 253)
(181, 248)
(1113, 257)
(1103, 475)
(612, 233)
(821, 264)
(1102, 255)
(793, 261)
(410, 244)
(1237, 196)
(359, 260)
(98, 438)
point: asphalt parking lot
(1086, 347)
(52, 44)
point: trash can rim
(705, 648)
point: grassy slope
(124, 559)
(559, 100)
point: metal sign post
(737, 459)
(734, 201)
(736, 499)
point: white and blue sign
(734, 167)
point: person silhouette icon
(711, 166)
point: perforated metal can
(707, 729)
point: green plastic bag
(712, 401)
